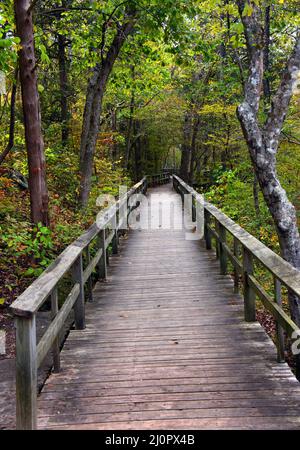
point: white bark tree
(263, 139)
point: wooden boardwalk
(166, 347)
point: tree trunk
(266, 81)
(32, 117)
(130, 122)
(114, 153)
(186, 148)
(93, 106)
(63, 81)
(138, 151)
(194, 147)
(263, 142)
(12, 119)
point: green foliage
(34, 243)
(233, 194)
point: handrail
(29, 353)
(251, 249)
(158, 179)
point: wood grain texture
(166, 347)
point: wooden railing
(158, 179)
(243, 251)
(29, 353)
(102, 234)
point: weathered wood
(88, 281)
(172, 333)
(249, 293)
(284, 320)
(79, 306)
(236, 271)
(26, 306)
(222, 250)
(92, 265)
(36, 294)
(109, 237)
(173, 350)
(55, 345)
(26, 373)
(115, 240)
(280, 268)
(102, 262)
(207, 235)
(51, 334)
(279, 329)
(238, 266)
(217, 238)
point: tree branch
(254, 36)
(281, 100)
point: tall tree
(186, 147)
(95, 92)
(263, 140)
(31, 111)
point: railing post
(236, 272)
(222, 251)
(249, 293)
(89, 281)
(217, 239)
(279, 329)
(79, 307)
(26, 374)
(115, 241)
(207, 234)
(102, 263)
(55, 347)
(194, 218)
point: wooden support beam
(79, 307)
(222, 250)
(236, 271)
(102, 263)
(89, 281)
(279, 329)
(26, 373)
(207, 234)
(249, 293)
(55, 346)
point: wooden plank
(224, 423)
(56, 344)
(35, 295)
(284, 271)
(92, 265)
(285, 321)
(56, 325)
(249, 292)
(79, 305)
(26, 373)
(165, 342)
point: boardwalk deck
(166, 347)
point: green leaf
(248, 10)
